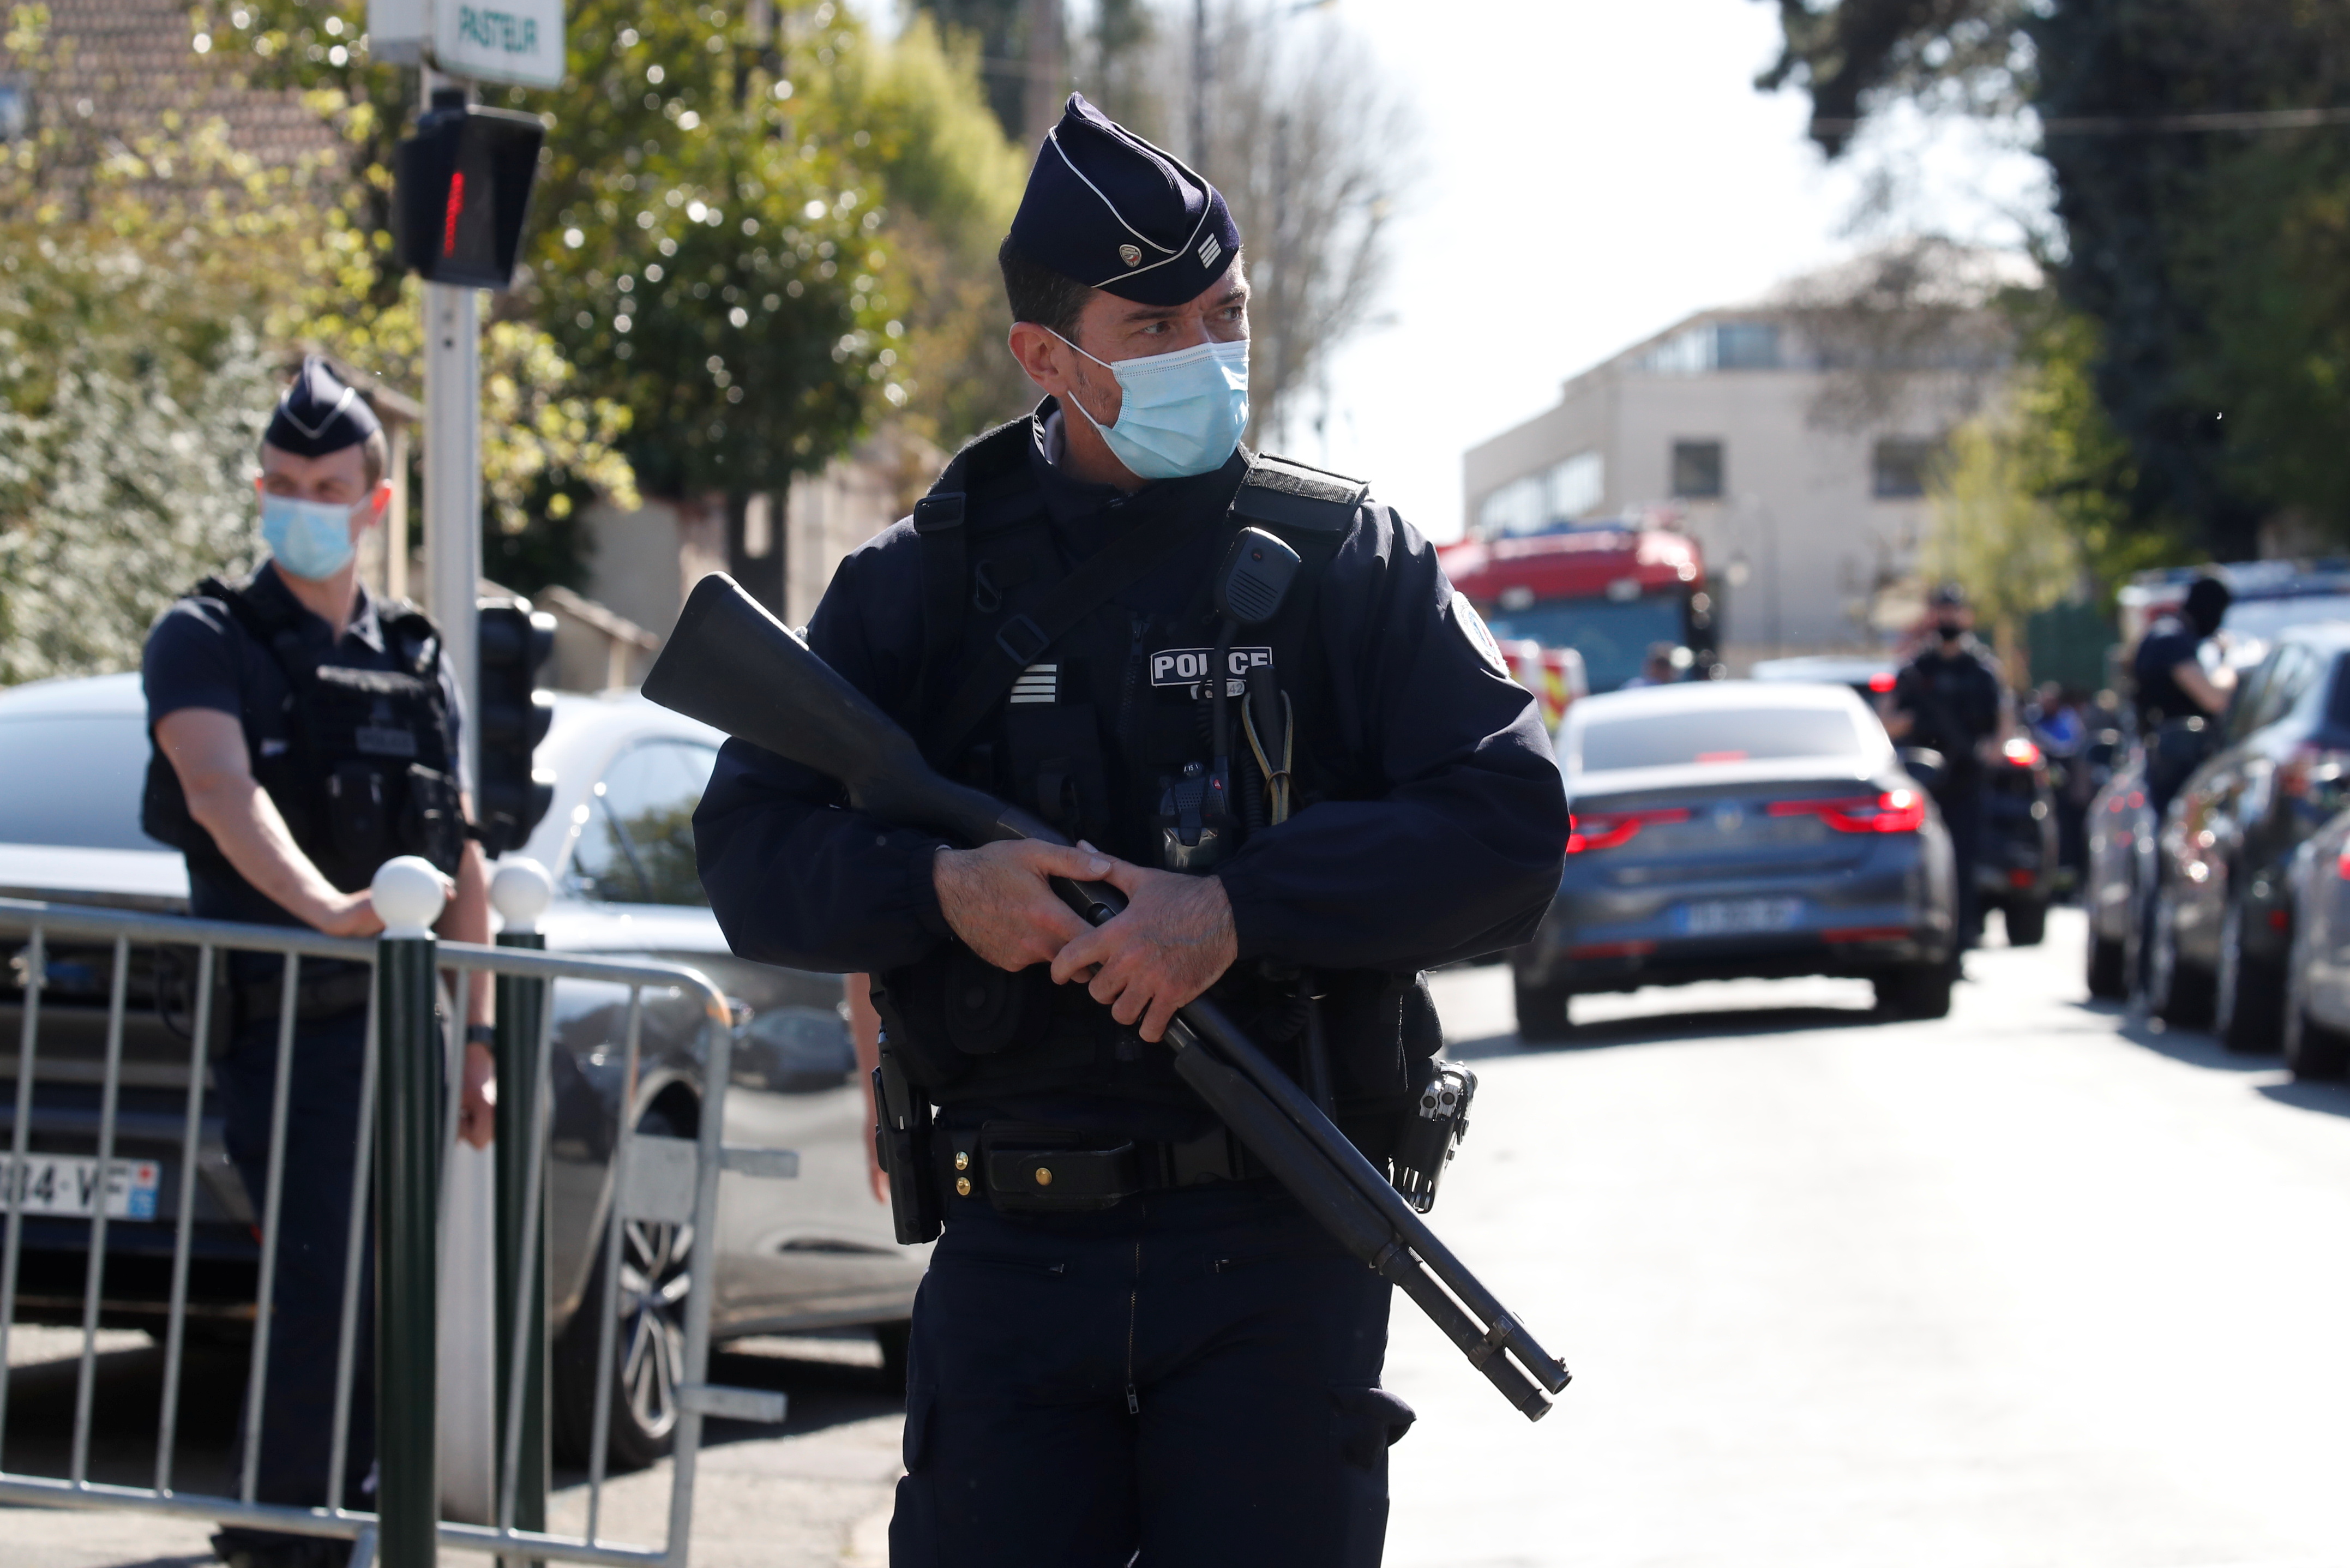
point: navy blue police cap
(1108, 209)
(319, 414)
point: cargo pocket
(1368, 1422)
(915, 1447)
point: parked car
(2221, 926)
(2272, 596)
(815, 1252)
(2019, 872)
(1738, 828)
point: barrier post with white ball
(407, 895)
(520, 891)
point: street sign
(396, 31)
(518, 41)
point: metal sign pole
(452, 488)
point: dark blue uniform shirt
(199, 655)
(1461, 857)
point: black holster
(901, 1140)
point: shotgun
(734, 666)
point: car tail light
(1895, 811)
(2342, 864)
(1882, 681)
(2019, 878)
(2022, 752)
(1608, 829)
(2313, 772)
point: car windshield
(73, 781)
(1712, 735)
(1612, 635)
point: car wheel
(2108, 966)
(2176, 991)
(1916, 991)
(2314, 1052)
(2026, 922)
(1544, 1012)
(2244, 1011)
(648, 1344)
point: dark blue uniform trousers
(1192, 1376)
(314, 1231)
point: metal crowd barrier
(403, 1125)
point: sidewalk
(814, 1493)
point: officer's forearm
(245, 823)
(467, 919)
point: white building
(1792, 439)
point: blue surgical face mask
(309, 538)
(1182, 413)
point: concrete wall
(1798, 543)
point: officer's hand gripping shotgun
(732, 665)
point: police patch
(1187, 667)
(1480, 638)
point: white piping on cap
(332, 414)
(1052, 138)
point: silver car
(815, 1252)
(1728, 829)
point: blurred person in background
(305, 732)
(2063, 738)
(1666, 663)
(2177, 696)
(1949, 699)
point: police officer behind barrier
(1130, 1338)
(2177, 698)
(305, 732)
(1949, 698)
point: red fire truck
(1608, 590)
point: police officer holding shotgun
(1249, 693)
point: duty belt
(1022, 1167)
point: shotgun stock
(735, 666)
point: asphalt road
(2033, 1285)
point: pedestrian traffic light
(513, 794)
(461, 188)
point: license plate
(68, 1184)
(1737, 917)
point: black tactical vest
(357, 760)
(1092, 728)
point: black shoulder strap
(1282, 493)
(972, 476)
(1018, 643)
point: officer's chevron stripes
(1037, 683)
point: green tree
(2205, 259)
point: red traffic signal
(460, 190)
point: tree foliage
(2206, 261)
(717, 245)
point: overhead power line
(2159, 124)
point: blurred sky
(1592, 171)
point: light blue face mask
(1183, 412)
(309, 538)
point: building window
(1747, 345)
(1577, 486)
(1515, 508)
(1898, 466)
(1561, 493)
(1723, 346)
(1697, 471)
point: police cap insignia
(1109, 209)
(318, 414)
